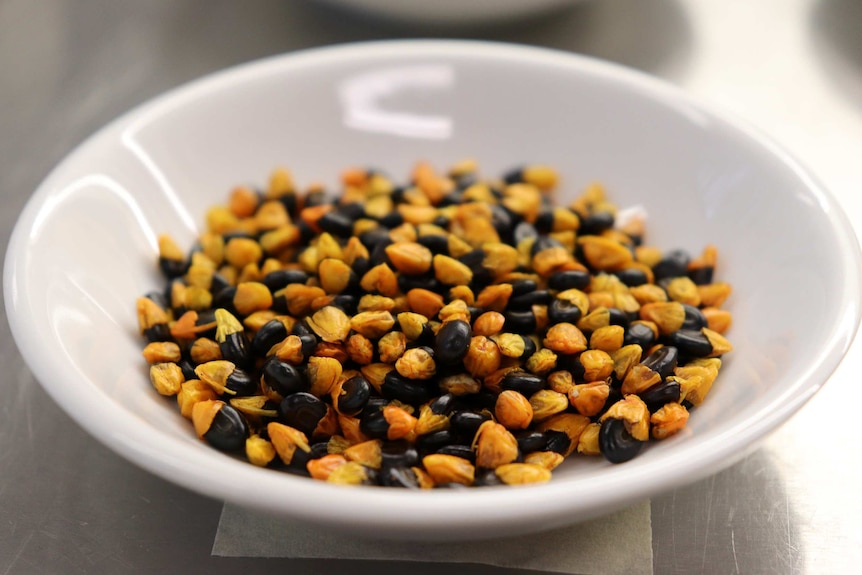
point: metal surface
(791, 67)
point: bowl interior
(85, 246)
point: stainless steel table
(792, 67)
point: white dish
(84, 248)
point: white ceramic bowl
(84, 249)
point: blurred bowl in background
(453, 12)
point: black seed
(504, 222)
(529, 346)
(236, 349)
(462, 451)
(632, 276)
(673, 265)
(271, 333)
(392, 220)
(663, 360)
(352, 211)
(289, 203)
(354, 395)
(530, 441)
(398, 453)
(487, 478)
(524, 383)
(452, 341)
(309, 343)
(570, 279)
(431, 442)
(694, 318)
(396, 386)
(702, 275)
(224, 300)
(514, 176)
(438, 244)
(557, 441)
(545, 221)
(442, 405)
(560, 311)
(158, 332)
(399, 477)
(306, 233)
(302, 411)
(640, 334)
(617, 316)
(544, 243)
(218, 284)
(615, 443)
(173, 268)
(360, 266)
(467, 422)
(523, 286)
(241, 382)
(441, 222)
(228, 430)
(523, 322)
(473, 259)
(315, 198)
(158, 298)
(372, 238)
(282, 378)
(374, 424)
(280, 279)
(451, 485)
(379, 256)
(596, 223)
(660, 395)
(528, 300)
(692, 343)
(523, 231)
(188, 369)
(425, 281)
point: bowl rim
(430, 512)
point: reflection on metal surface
(363, 98)
(745, 515)
(94, 181)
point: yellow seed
(589, 398)
(605, 254)
(569, 423)
(410, 258)
(483, 357)
(445, 468)
(546, 403)
(367, 453)
(565, 338)
(323, 467)
(608, 338)
(416, 363)
(391, 346)
(683, 290)
(191, 392)
(550, 460)
(495, 445)
(242, 251)
(668, 317)
(588, 442)
(351, 473)
(412, 324)
(372, 324)
(450, 271)
(162, 352)
(522, 473)
(251, 297)
(513, 410)
(668, 420)
(259, 451)
(334, 275)
(330, 323)
(167, 378)
(286, 440)
(541, 362)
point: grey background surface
(792, 67)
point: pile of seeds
(450, 332)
